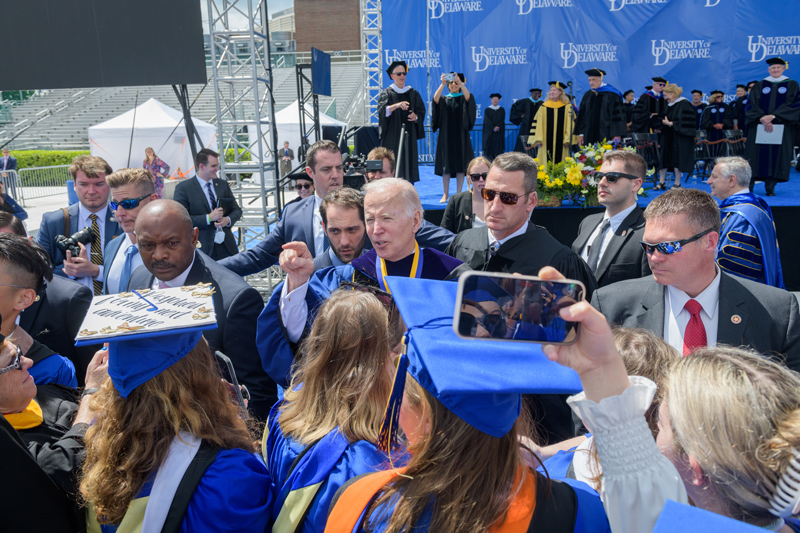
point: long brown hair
(130, 437)
(342, 380)
(469, 474)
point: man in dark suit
(166, 241)
(689, 300)
(342, 214)
(287, 156)
(211, 205)
(91, 211)
(609, 242)
(7, 162)
(131, 189)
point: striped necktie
(97, 252)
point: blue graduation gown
(54, 369)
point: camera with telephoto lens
(357, 167)
(84, 236)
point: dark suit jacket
(769, 316)
(190, 195)
(322, 261)
(11, 165)
(237, 306)
(296, 224)
(53, 224)
(54, 320)
(108, 259)
(624, 257)
(458, 214)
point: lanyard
(416, 268)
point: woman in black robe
(400, 106)
(494, 128)
(677, 136)
(453, 117)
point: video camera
(84, 236)
(356, 168)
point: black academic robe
(628, 108)
(494, 142)
(698, 113)
(782, 99)
(716, 114)
(390, 127)
(643, 119)
(522, 114)
(737, 112)
(678, 140)
(453, 118)
(600, 116)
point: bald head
(166, 238)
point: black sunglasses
(476, 177)
(383, 297)
(130, 203)
(15, 365)
(301, 186)
(494, 324)
(671, 247)
(508, 198)
(613, 177)
(399, 73)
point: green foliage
(243, 155)
(16, 95)
(45, 158)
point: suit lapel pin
(736, 319)
(624, 232)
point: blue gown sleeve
(740, 251)
(54, 369)
(233, 495)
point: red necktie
(163, 285)
(695, 334)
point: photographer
(453, 116)
(91, 211)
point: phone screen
(519, 308)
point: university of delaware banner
(511, 46)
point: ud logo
(440, 7)
(761, 47)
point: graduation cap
(697, 91)
(648, 87)
(483, 392)
(535, 89)
(627, 92)
(301, 176)
(595, 72)
(777, 61)
(681, 518)
(394, 65)
(751, 83)
(716, 91)
(659, 79)
(740, 86)
(557, 84)
(498, 95)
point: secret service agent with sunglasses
(689, 297)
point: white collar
(181, 279)
(676, 101)
(84, 214)
(494, 107)
(398, 90)
(617, 219)
(708, 299)
(742, 191)
(520, 231)
(776, 80)
(202, 181)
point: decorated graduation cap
(485, 392)
(697, 91)
(595, 72)
(394, 65)
(557, 84)
(777, 61)
(681, 518)
(495, 95)
(659, 79)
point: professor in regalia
(773, 101)
(601, 115)
(522, 114)
(554, 126)
(401, 106)
(494, 128)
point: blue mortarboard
(135, 360)
(480, 381)
(680, 518)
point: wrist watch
(89, 392)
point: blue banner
(512, 46)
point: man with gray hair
(393, 214)
(748, 244)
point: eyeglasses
(302, 186)
(16, 365)
(15, 286)
(508, 198)
(493, 324)
(130, 203)
(671, 247)
(476, 177)
(399, 73)
(613, 177)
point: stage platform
(562, 222)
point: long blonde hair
(342, 379)
(467, 475)
(130, 438)
(737, 414)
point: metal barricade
(41, 182)
(426, 147)
(11, 181)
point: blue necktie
(125, 277)
(211, 195)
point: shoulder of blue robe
(747, 198)
(435, 265)
(233, 495)
(609, 89)
(54, 369)
(748, 247)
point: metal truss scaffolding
(371, 56)
(242, 78)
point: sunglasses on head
(476, 177)
(508, 198)
(130, 203)
(15, 364)
(671, 247)
(301, 186)
(383, 297)
(613, 177)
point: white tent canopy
(288, 121)
(157, 126)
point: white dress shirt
(204, 186)
(319, 233)
(676, 317)
(85, 222)
(520, 231)
(179, 281)
(614, 222)
(115, 271)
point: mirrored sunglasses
(131, 203)
(508, 198)
(671, 247)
